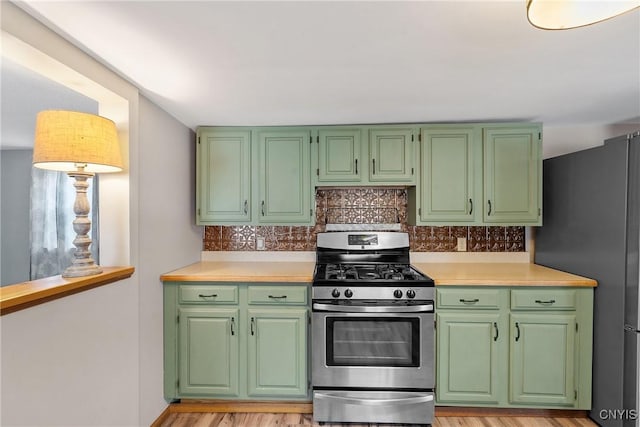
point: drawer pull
(469, 301)
(495, 327)
(277, 297)
(517, 331)
(207, 296)
(551, 301)
(253, 323)
(233, 323)
(471, 206)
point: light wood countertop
(444, 274)
(235, 271)
(500, 274)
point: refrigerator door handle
(629, 328)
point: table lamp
(82, 145)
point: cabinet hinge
(318, 139)
(198, 140)
(177, 383)
(177, 319)
(411, 137)
(318, 172)
(310, 140)
(435, 324)
(309, 385)
(539, 136)
(311, 212)
(539, 211)
(419, 211)
(411, 171)
(575, 394)
(576, 327)
(419, 137)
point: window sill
(27, 294)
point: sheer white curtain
(52, 198)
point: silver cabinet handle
(207, 296)
(470, 206)
(374, 401)
(246, 207)
(489, 202)
(263, 208)
(469, 301)
(253, 323)
(495, 327)
(374, 166)
(551, 301)
(356, 166)
(233, 323)
(368, 309)
(517, 331)
(277, 297)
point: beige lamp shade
(69, 141)
(565, 14)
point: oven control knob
(397, 293)
(348, 293)
(335, 293)
(411, 293)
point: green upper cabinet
(513, 175)
(223, 181)
(391, 155)
(284, 176)
(478, 174)
(339, 155)
(448, 180)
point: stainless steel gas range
(372, 331)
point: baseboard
(465, 411)
(162, 417)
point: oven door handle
(373, 309)
(375, 402)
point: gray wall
(14, 218)
(168, 237)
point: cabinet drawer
(543, 299)
(209, 294)
(281, 295)
(468, 298)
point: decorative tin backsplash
(363, 206)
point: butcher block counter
(444, 274)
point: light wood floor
(239, 419)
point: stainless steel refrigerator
(591, 219)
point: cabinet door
(447, 175)
(339, 155)
(277, 352)
(284, 177)
(512, 175)
(391, 155)
(542, 358)
(224, 177)
(208, 351)
(468, 357)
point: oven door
(373, 347)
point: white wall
(73, 361)
(95, 358)
(558, 140)
(168, 238)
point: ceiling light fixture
(565, 14)
(80, 144)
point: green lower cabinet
(276, 353)
(208, 351)
(464, 375)
(514, 347)
(542, 359)
(236, 341)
